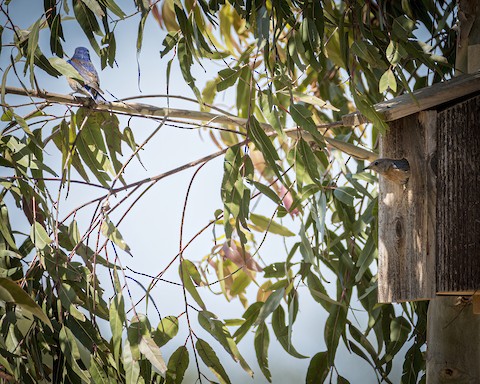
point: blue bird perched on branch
(396, 170)
(91, 83)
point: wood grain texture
(453, 336)
(406, 260)
(458, 198)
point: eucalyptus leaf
(10, 292)
(270, 305)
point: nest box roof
(421, 99)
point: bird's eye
(375, 163)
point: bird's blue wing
(89, 74)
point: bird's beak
(366, 168)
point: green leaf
(261, 342)
(262, 24)
(264, 144)
(91, 147)
(268, 105)
(359, 352)
(6, 253)
(88, 22)
(267, 191)
(368, 52)
(235, 194)
(387, 81)
(112, 6)
(39, 236)
(368, 254)
(69, 345)
(188, 284)
(111, 232)
(303, 118)
(245, 93)
(170, 42)
(282, 334)
(265, 224)
(5, 228)
(296, 50)
(318, 369)
(250, 316)
(56, 36)
(306, 247)
(32, 49)
(403, 27)
(141, 28)
(346, 195)
(270, 305)
(96, 371)
(208, 94)
(193, 272)
(138, 328)
(177, 365)
(209, 357)
(342, 380)
(130, 364)
(117, 321)
(319, 210)
(310, 99)
(94, 7)
(363, 341)
(12, 293)
(68, 298)
(241, 282)
(277, 270)
(399, 329)
(395, 52)
(185, 60)
(305, 156)
(167, 329)
(153, 354)
(220, 332)
(229, 77)
(334, 328)
(319, 293)
(366, 108)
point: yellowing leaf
(111, 232)
(310, 99)
(265, 224)
(64, 68)
(153, 354)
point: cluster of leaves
(289, 63)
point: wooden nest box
(429, 230)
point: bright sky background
(152, 227)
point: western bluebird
(394, 170)
(91, 84)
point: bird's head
(81, 53)
(380, 166)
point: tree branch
(148, 110)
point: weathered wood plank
(453, 338)
(428, 121)
(406, 258)
(458, 198)
(422, 99)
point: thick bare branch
(148, 110)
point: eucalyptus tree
(290, 71)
